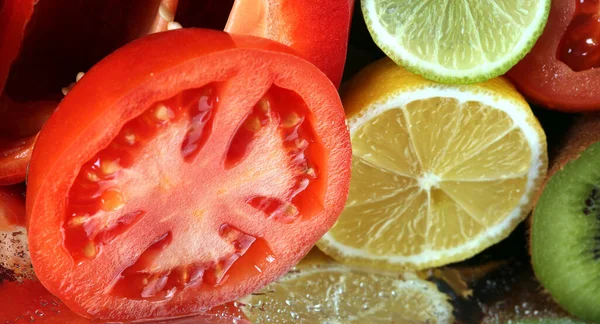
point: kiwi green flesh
(565, 236)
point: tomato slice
(203, 166)
(318, 30)
(561, 72)
(36, 80)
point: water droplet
(294, 315)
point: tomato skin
(544, 79)
(122, 86)
(318, 30)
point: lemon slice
(333, 293)
(439, 172)
(454, 41)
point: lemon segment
(439, 173)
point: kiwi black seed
(565, 235)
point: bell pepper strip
(317, 30)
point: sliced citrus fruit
(439, 172)
(334, 293)
(456, 41)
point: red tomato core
(579, 47)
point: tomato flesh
(203, 173)
(580, 45)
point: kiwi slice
(565, 235)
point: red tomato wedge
(316, 29)
(62, 39)
(562, 70)
(203, 166)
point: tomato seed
(112, 200)
(129, 138)
(89, 250)
(91, 175)
(109, 167)
(252, 124)
(291, 120)
(77, 221)
(163, 113)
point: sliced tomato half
(562, 71)
(316, 29)
(203, 167)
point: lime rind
(427, 67)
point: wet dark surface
(503, 285)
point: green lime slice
(456, 41)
